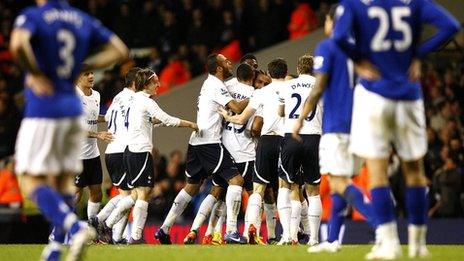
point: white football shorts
(335, 158)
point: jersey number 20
(294, 115)
(380, 42)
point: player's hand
(296, 130)
(105, 136)
(39, 84)
(194, 126)
(367, 70)
(223, 112)
(414, 71)
(155, 121)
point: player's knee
(414, 173)
(192, 189)
(283, 184)
(260, 189)
(217, 192)
(96, 195)
(339, 184)
(236, 180)
(312, 190)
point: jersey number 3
(66, 53)
(380, 42)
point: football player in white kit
(299, 159)
(267, 152)
(138, 159)
(91, 175)
(206, 156)
(116, 116)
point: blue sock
(69, 199)
(337, 217)
(355, 198)
(51, 205)
(382, 204)
(416, 205)
(58, 235)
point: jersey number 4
(294, 115)
(380, 42)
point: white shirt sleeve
(256, 100)
(222, 96)
(155, 111)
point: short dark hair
(305, 64)
(277, 68)
(248, 56)
(332, 10)
(130, 76)
(142, 77)
(245, 72)
(212, 63)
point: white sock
(178, 206)
(108, 208)
(295, 219)
(220, 220)
(285, 211)
(140, 213)
(247, 224)
(92, 208)
(213, 218)
(253, 210)
(259, 221)
(233, 201)
(118, 228)
(271, 219)
(387, 232)
(203, 212)
(304, 217)
(123, 206)
(314, 216)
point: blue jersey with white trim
(61, 37)
(387, 33)
(338, 95)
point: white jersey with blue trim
(117, 118)
(91, 108)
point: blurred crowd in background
(173, 37)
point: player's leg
(285, 210)
(204, 211)
(295, 217)
(254, 210)
(270, 209)
(372, 131)
(140, 212)
(95, 197)
(411, 144)
(93, 169)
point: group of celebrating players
(295, 132)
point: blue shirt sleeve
(26, 21)
(323, 59)
(343, 30)
(100, 34)
(445, 23)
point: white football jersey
(235, 137)
(117, 119)
(293, 95)
(91, 110)
(213, 94)
(267, 99)
(140, 126)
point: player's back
(293, 95)
(268, 97)
(117, 118)
(338, 95)
(387, 33)
(60, 37)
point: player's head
(245, 74)
(86, 80)
(129, 80)
(329, 20)
(219, 65)
(261, 79)
(277, 68)
(305, 64)
(250, 59)
(146, 80)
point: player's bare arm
(414, 71)
(237, 106)
(311, 102)
(281, 111)
(21, 50)
(256, 127)
(239, 118)
(115, 50)
(188, 124)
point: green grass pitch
(219, 253)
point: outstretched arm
(239, 118)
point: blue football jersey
(387, 33)
(338, 95)
(60, 37)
